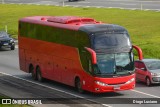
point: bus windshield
(111, 40)
(112, 64)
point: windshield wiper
(124, 47)
(119, 68)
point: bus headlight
(131, 80)
(101, 83)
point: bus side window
(86, 61)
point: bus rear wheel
(39, 74)
(78, 85)
(33, 74)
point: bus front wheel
(39, 74)
(78, 85)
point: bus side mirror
(93, 55)
(139, 50)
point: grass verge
(143, 26)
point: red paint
(140, 53)
(115, 82)
(64, 22)
(60, 62)
(93, 54)
(70, 20)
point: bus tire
(39, 74)
(78, 85)
(33, 74)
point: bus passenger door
(86, 61)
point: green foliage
(143, 26)
(14, 105)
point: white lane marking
(156, 10)
(16, 46)
(132, 1)
(40, 84)
(15, 0)
(71, 93)
(45, 2)
(84, 2)
(127, 4)
(148, 1)
(52, 88)
(106, 105)
(145, 93)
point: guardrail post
(3, 2)
(6, 28)
(141, 6)
(63, 4)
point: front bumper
(6, 44)
(102, 88)
(155, 80)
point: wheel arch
(147, 77)
(30, 67)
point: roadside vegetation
(143, 26)
(13, 105)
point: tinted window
(136, 64)
(140, 65)
(56, 35)
(104, 40)
(153, 65)
(3, 34)
(120, 63)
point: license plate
(116, 87)
(5, 44)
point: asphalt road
(123, 4)
(17, 84)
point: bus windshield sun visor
(111, 41)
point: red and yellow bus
(77, 51)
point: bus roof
(87, 25)
(109, 28)
(66, 22)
